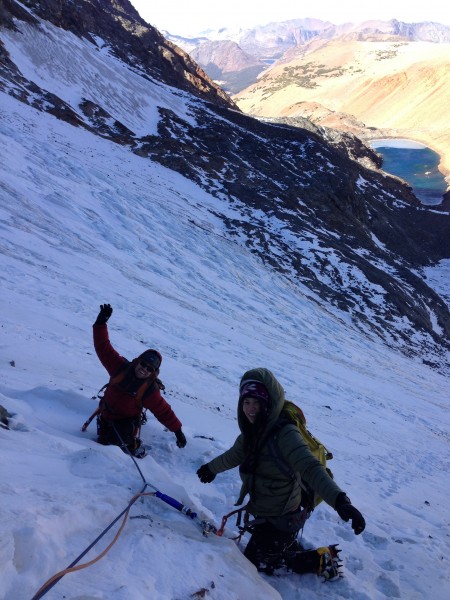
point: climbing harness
(242, 516)
(115, 380)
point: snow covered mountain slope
(190, 269)
(83, 222)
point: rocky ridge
(118, 24)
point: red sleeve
(110, 359)
(162, 410)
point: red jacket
(119, 400)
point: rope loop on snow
(72, 567)
(207, 528)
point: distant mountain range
(265, 44)
(373, 79)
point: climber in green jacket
(276, 496)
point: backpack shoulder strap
(119, 375)
(282, 464)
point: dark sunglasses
(146, 366)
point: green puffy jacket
(273, 492)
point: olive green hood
(276, 394)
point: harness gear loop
(116, 380)
(225, 518)
(242, 515)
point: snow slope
(84, 222)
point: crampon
(330, 564)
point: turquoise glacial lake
(416, 164)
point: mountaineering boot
(292, 551)
(140, 452)
(329, 567)
(324, 562)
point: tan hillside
(399, 87)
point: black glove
(205, 475)
(347, 511)
(181, 439)
(104, 314)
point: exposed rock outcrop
(132, 40)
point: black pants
(269, 549)
(119, 432)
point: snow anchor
(204, 525)
(183, 509)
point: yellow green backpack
(295, 415)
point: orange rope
(101, 555)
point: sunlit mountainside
(399, 86)
(373, 79)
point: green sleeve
(297, 454)
(230, 459)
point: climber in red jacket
(133, 387)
